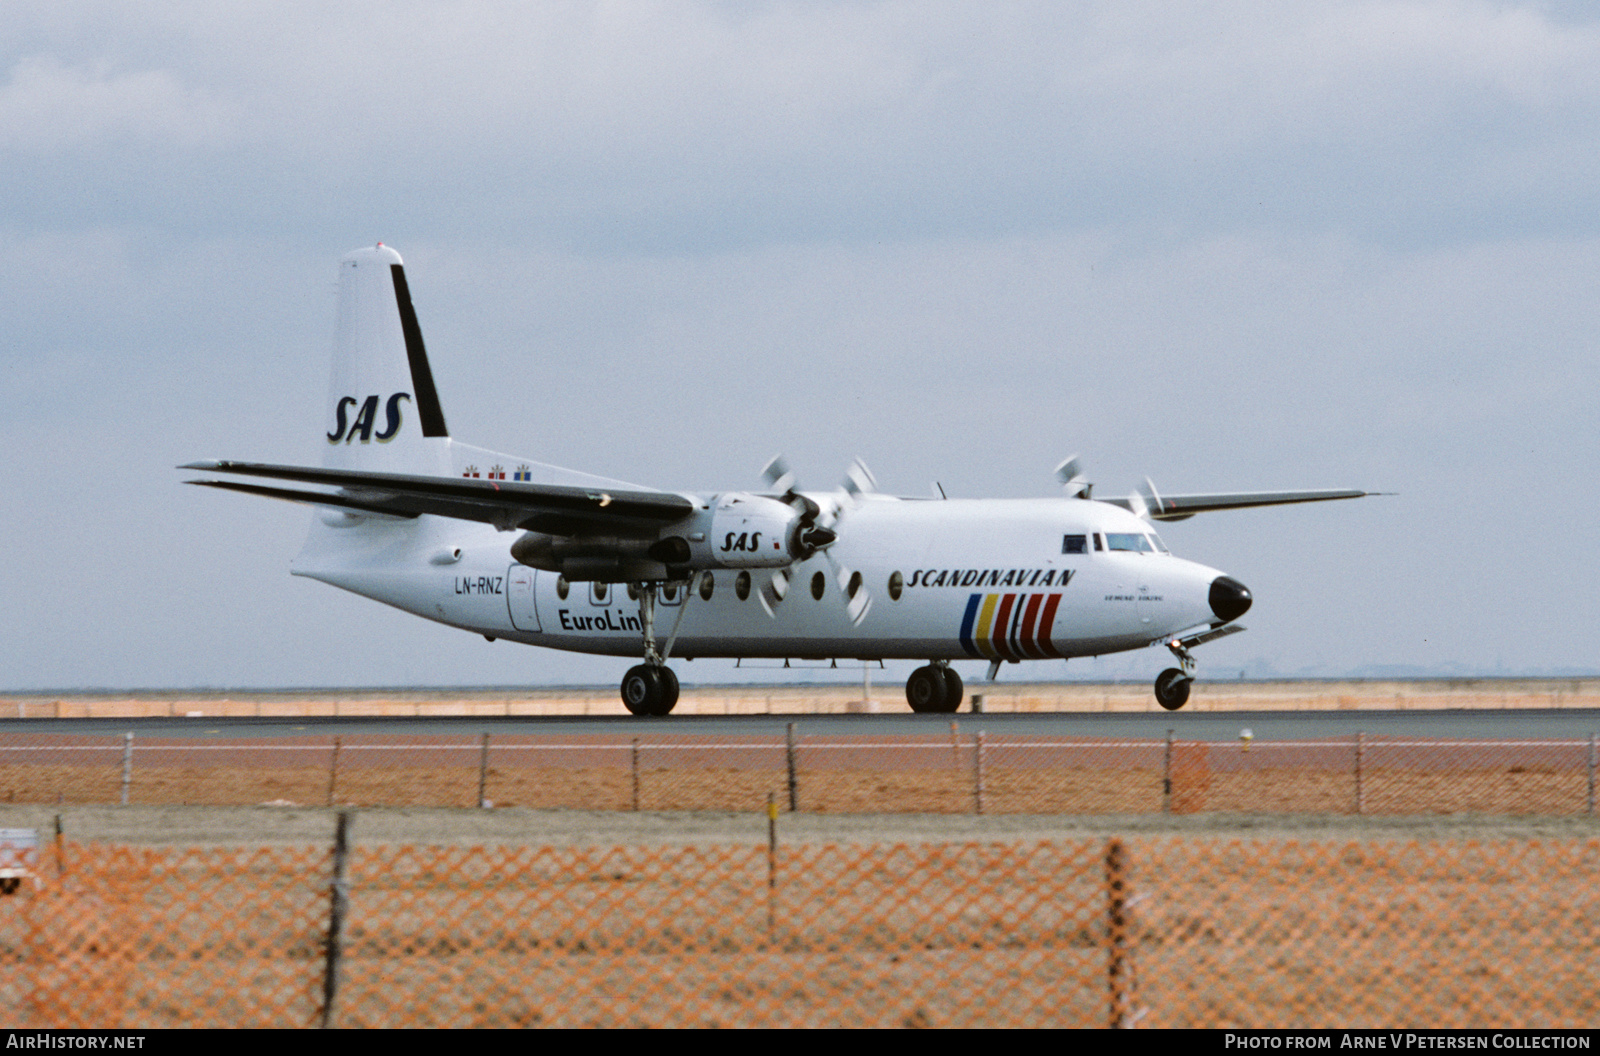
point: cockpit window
(1128, 541)
(1074, 544)
(1154, 538)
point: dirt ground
(555, 918)
(227, 826)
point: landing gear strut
(935, 688)
(651, 688)
(1172, 685)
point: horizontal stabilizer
(318, 498)
(553, 508)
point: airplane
(413, 518)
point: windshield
(1128, 541)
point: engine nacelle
(738, 531)
(753, 531)
(581, 558)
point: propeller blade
(858, 480)
(857, 599)
(1152, 498)
(1140, 508)
(1070, 474)
(773, 591)
(778, 474)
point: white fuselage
(988, 579)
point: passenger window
(563, 588)
(819, 583)
(741, 586)
(897, 583)
(1074, 544)
(708, 584)
(599, 593)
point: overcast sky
(1230, 246)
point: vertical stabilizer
(383, 411)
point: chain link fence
(958, 773)
(1145, 931)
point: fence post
(333, 771)
(339, 899)
(794, 779)
(977, 773)
(1361, 747)
(127, 765)
(635, 765)
(483, 772)
(1118, 973)
(1591, 772)
(772, 867)
(1166, 778)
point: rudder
(383, 411)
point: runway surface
(1520, 724)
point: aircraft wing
(557, 509)
(1182, 507)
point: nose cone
(1230, 599)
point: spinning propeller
(817, 531)
(1145, 502)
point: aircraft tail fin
(383, 411)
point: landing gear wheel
(649, 690)
(927, 689)
(954, 690)
(1172, 689)
(669, 691)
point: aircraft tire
(669, 691)
(926, 690)
(954, 689)
(1172, 689)
(643, 690)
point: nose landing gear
(1172, 685)
(1172, 688)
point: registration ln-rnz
(511, 548)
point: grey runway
(1477, 724)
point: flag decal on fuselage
(1010, 626)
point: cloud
(51, 108)
(693, 127)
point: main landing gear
(651, 688)
(935, 689)
(1172, 685)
